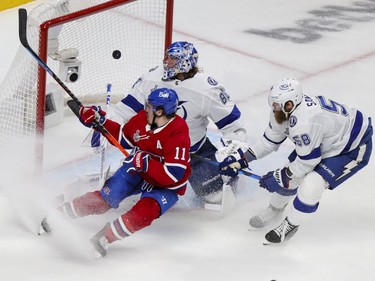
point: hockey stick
(22, 21)
(102, 177)
(246, 173)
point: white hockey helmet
(286, 89)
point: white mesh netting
(136, 29)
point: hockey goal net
(88, 44)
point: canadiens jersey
(319, 127)
(169, 165)
(202, 99)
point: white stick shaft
(102, 160)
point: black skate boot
(283, 232)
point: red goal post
(163, 23)
(88, 44)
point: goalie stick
(73, 104)
(103, 177)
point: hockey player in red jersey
(158, 168)
(203, 100)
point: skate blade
(284, 241)
(267, 243)
(97, 255)
(212, 207)
(44, 229)
(41, 231)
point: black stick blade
(74, 106)
(22, 27)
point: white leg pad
(312, 188)
(279, 201)
(310, 192)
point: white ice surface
(193, 244)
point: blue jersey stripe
(233, 116)
(316, 153)
(177, 172)
(125, 144)
(274, 142)
(196, 146)
(355, 131)
(133, 103)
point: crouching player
(158, 168)
(332, 143)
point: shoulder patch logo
(106, 190)
(180, 106)
(137, 137)
(212, 81)
(292, 121)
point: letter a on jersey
(158, 145)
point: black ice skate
(283, 232)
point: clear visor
(170, 61)
(276, 106)
(274, 103)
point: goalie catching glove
(88, 115)
(237, 161)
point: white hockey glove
(228, 147)
(239, 157)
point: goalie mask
(186, 57)
(165, 99)
(287, 89)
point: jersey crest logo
(292, 121)
(137, 137)
(180, 106)
(158, 145)
(212, 81)
(106, 190)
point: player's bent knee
(142, 214)
(91, 203)
(311, 189)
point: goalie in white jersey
(332, 143)
(202, 99)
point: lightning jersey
(320, 128)
(201, 98)
(169, 164)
